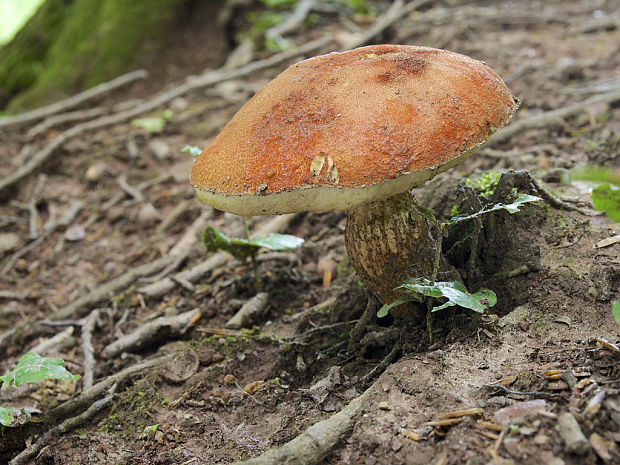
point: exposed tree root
(318, 441)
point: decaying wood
(314, 444)
(193, 274)
(148, 333)
(248, 312)
(73, 101)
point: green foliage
(192, 150)
(279, 3)
(606, 198)
(615, 310)
(597, 174)
(245, 248)
(455, 292)
(153, 123)
(511, 208)
(485, 185)
(30, 369)
(13, 15)
(83, 43)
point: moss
(86, 42)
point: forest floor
(102, 240)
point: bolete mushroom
(356, 131)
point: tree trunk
(74, 44)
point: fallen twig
(149, 332)
(207, 79)
(63, 428)
(105, 290)
(397, 10)
(90, 322)
(548, 117)
(293, 21)
(248, 312)
(65, 118)
(61, 338)
(101, 89)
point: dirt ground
(98, 226)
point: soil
(231, 394)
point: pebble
(384, 406)
(95, 172)
(9, 242)
(571, 433)
(75, 233)
(160, 149)
(148, 215)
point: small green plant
(606, 195)
(455, 292)
(192, 150)
(243, 249)
(486, 184)
(615, 310)
(153, 123)
(30, 369)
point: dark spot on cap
(385, 77)
(410, 65)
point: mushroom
(356, 131)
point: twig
(20, 253)
(248, 312)
(64, 427)
(293, 21)
(183, 247)
(161, 287)
(544, 119)
(396, 11)
(101, 89)
(149, 332)
(132, 191)
(548, 395)
(207, 79)
(32, 206)
(105, 290)
(64, 118)
(90, 322)
(58, 339)
(380, 368)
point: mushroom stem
(389, 241)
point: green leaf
(615, 310)
(511, 208)
(383, 311)
(10, 416)
(153, 124)
(597, 174)
(278, 241)
(606, 198)
(454, 291)
(243, 248)
(192, 150)
(32, 368)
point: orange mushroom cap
(338, 130)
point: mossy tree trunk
(74, 44)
